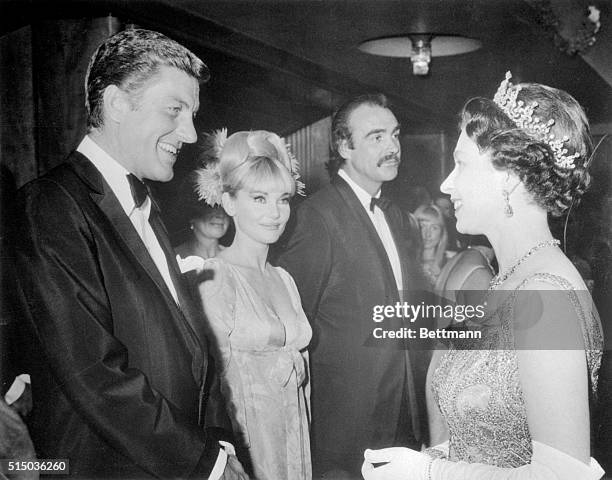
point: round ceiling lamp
(420, 47)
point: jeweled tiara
(522, 115)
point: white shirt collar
(113, 172)
(364, 197)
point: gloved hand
(399, 464)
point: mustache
(386, 158)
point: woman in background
(435, 239)
(208, 224)
(516, 402)
(448, 272)
(259, 330)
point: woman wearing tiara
(258, 327)
(515, 404)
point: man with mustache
(348, 251)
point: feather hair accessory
(300, 187)
(523, 117)
(209, 186)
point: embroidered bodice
(477, 387)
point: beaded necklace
(497, 280)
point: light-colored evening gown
(263, 366)
(477, 386)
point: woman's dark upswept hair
(552, 187)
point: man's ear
(344, 150)
(229, 204)
(116, 103)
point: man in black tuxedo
(118, 353)
(350, 250)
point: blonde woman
(254, 310)
(435, 240)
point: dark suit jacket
(342, 271)
(602, 421)
(117, 368)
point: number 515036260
(45, 466)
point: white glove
(547, 463)
(400, 464)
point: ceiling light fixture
(420, 47)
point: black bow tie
(140, 192)
(381, 202)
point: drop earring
(507, 207)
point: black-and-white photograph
(306, 239)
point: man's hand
(23, 405)
(394, 463)
(233, 470)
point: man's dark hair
(340, 129)
(128, 60)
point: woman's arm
(438, 430)
(404, 464)
(553, 369)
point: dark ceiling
(280, 65)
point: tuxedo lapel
(111, 207)
(103, 196)
(357, 211)
(406, 237)
(188, 318)
(184, 297)
(397, 232)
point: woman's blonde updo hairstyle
(249, 159)
(245, 160)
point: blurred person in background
(207, 226)
(434, 238)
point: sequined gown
(263, 366)
(476, 383)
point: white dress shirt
(115, 175)
(381, 226)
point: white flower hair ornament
(523, 117)
(209, 185)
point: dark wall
(42, 109)
(425, 160)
